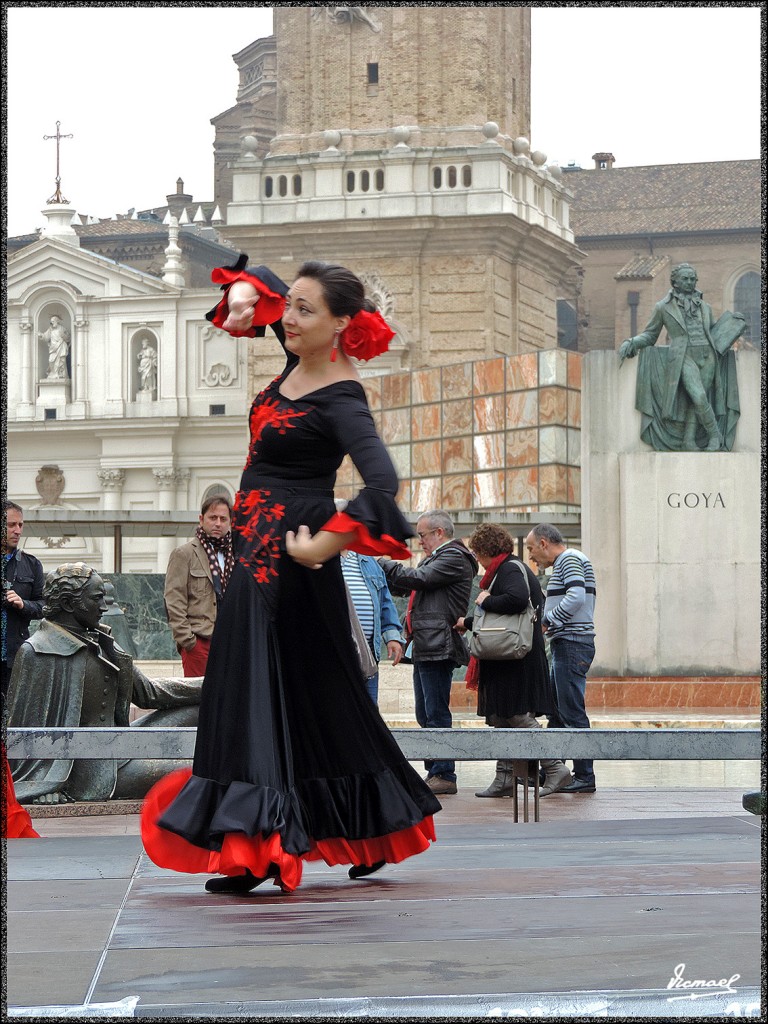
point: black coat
(507, 688)
(27, 578)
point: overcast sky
(137, 86)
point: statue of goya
(687, 391)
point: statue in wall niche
(72, 673)
(687, 391)
(147, 360)
(57, 339)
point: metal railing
(417, 744)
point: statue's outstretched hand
(627, 350)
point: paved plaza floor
(623, 891)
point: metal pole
(118, 548)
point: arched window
(437, 177)
(297, 184)
(216, 489)
(282, 185)
(746, 300)
(350, 181)
(451, 177)
(268, 187)
(466, 175)
(379, 181)
(365, 181)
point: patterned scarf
(473, 669)
(690, 304)
(212, 546)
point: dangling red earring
(335, 348)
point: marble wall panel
(457, 417)
(574, 447)
(488, 489)
(523, 447)
(401, 457)
(553, 444)
(372, 388)
(425, 422)
(553, 367)
(404, 495)
(396, 425)
(489, 451)
(522, 372)
(344, 492)
(457, 455)
(345, 472)
(574, 487)
(553, 485)
(574, 370)
(457, 492)
(488, 376)
(574, 408)
(523, 488)
(457, 381)
(488, 414)
(425, 386)
(426, 494)
(553, 405)
(522, 409)
(425, 460)
(395, 390)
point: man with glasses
(439, 589)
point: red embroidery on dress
(268, 414)
(253, 514)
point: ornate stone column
(112, 484)
(81, 330)
(167, 480)
(112, 481)
(26, 405)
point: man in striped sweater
(568, 622)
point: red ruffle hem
(268, 309)
(257, 853)
(17, 823)
(364, 543)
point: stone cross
(57, 197)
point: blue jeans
(571, 660)
(372, 686)
(432, 692)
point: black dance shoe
(239, 883)
(361, 870)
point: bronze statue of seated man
(71, 672)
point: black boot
(361, 870)
(239, 883)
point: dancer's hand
(241, 302)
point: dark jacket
(28, 582)
(443, 582)
(508, 688)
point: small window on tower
(373, 74)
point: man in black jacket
(23, 580)
(439, 589)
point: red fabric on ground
(17, 823)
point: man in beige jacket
(197, 576)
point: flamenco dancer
(293, 761)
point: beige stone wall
(717, 262)
(440, 68)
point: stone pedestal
(674, 537)
(54, 394)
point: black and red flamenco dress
(293, 762)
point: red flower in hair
(366, 335)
